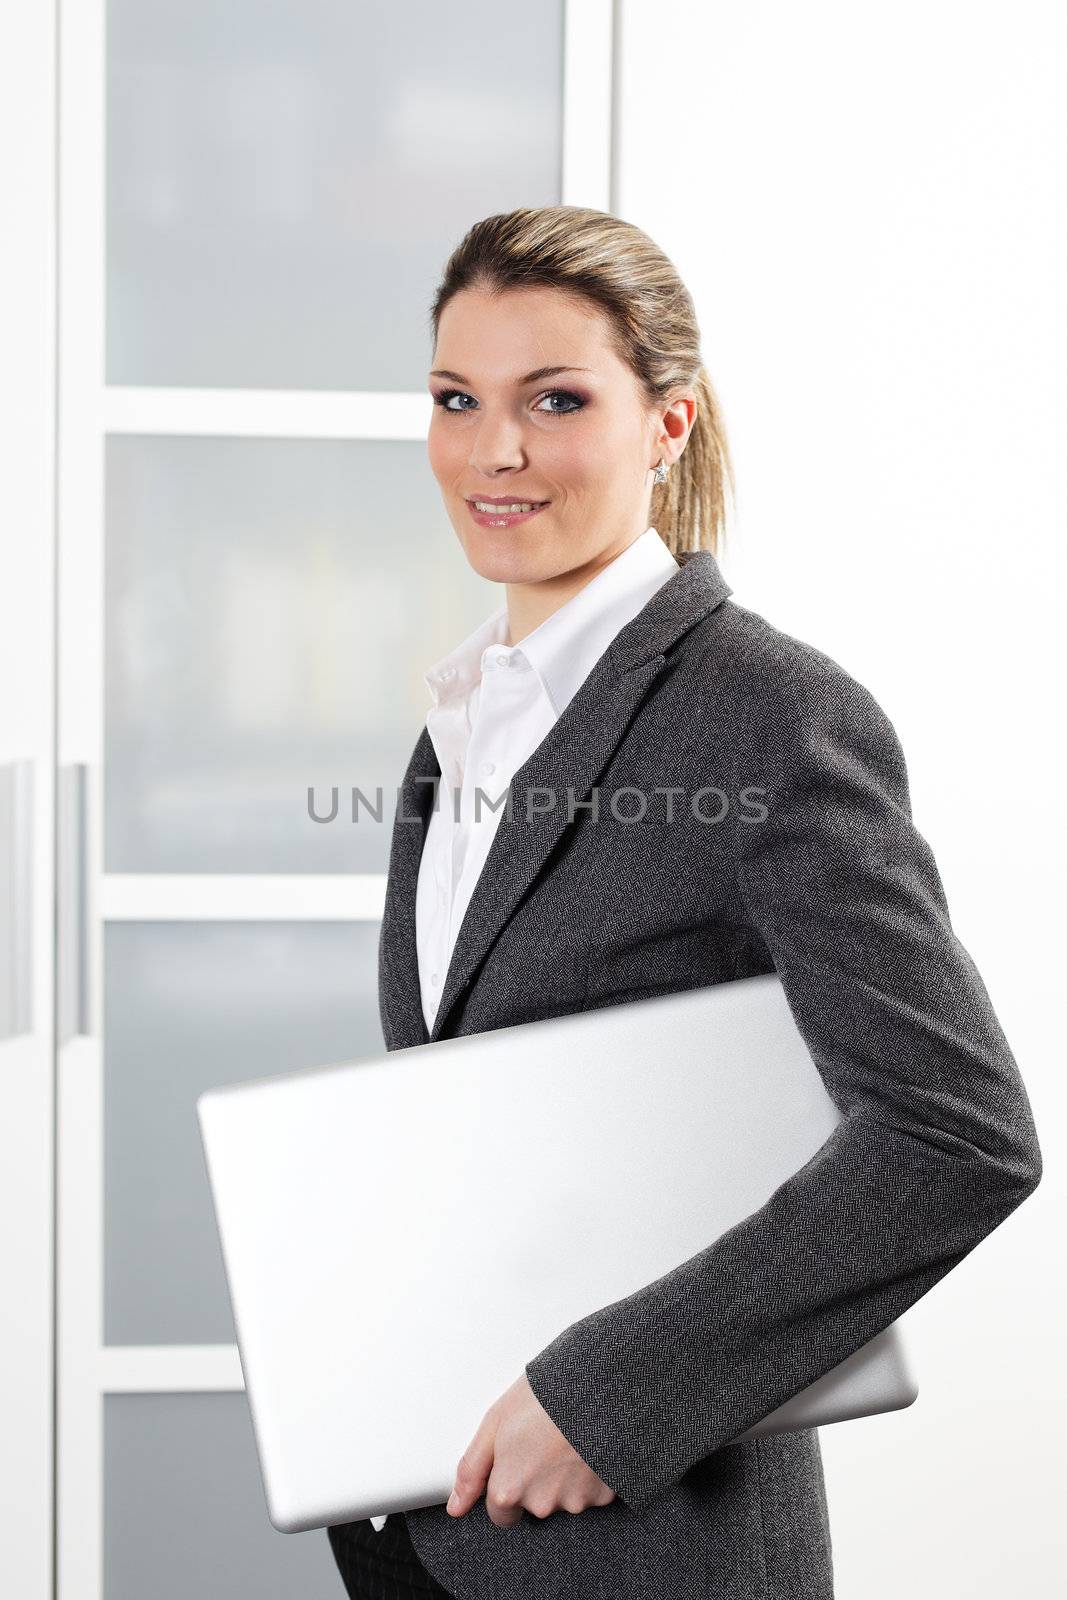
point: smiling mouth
(504, 507)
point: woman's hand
(523, 1462)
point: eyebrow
(531, 377)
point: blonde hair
(617, 267)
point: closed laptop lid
(401, 1234)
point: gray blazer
(815, 870)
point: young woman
(581, 457)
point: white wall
(27, 884)
(869, 207)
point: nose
(498, 447)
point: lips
(501, 518)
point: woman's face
(579, 442)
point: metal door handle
(71, 901)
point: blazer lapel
(574, 753)
(399, 990)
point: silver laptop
(402, 1234)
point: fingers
(472, 1472)
(471, 1480)
(505, 1505)
(503, 1500)
(507, 1498)
(523, 1465)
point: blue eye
(564, 394)
(446, 395)
(574, 401)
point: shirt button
(503, 660)
(488, 766)
(433, 978)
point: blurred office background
(225, 567)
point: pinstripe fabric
(835, 888)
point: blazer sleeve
(936, 1145)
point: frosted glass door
(256, 570)
(285, 179)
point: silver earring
(660, 474)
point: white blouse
(492, 705)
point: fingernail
(453, 1500)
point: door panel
(268, 603)
(285, 180)
(184, 1510)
